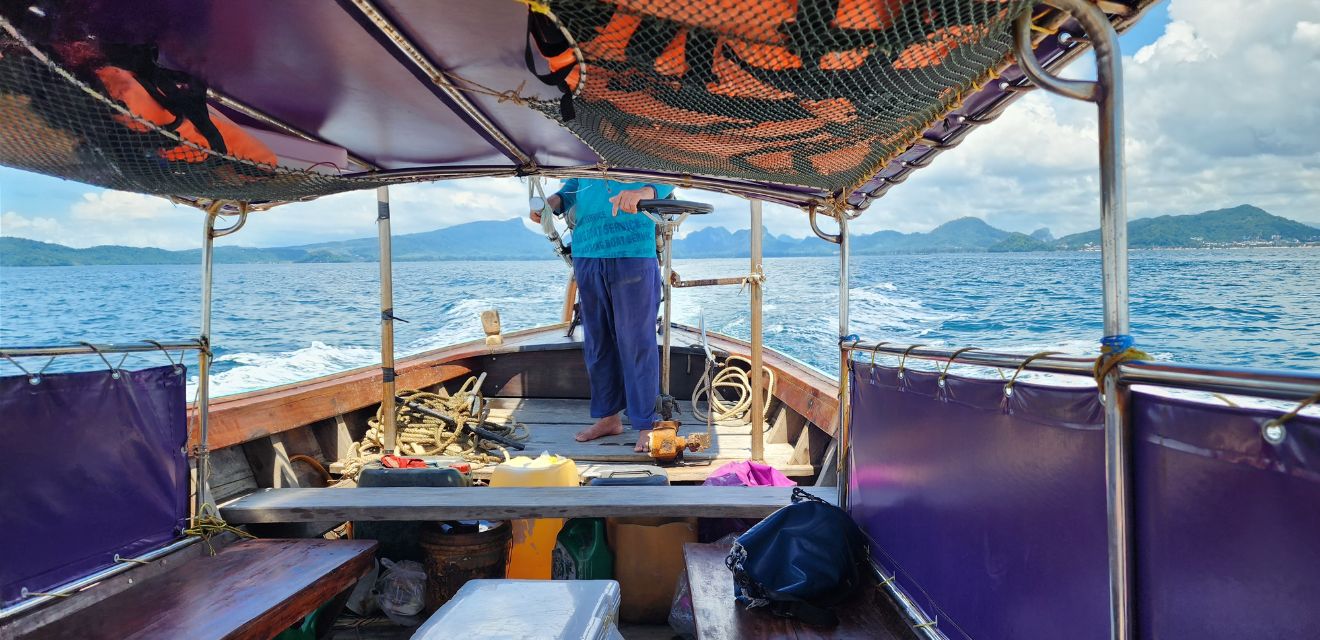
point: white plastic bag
(401, 590)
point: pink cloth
(748, 474)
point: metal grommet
(902, 360)
(1274, 432)
(953, 356)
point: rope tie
(1274, 430)
(42, 594)
(512, 95)
(902, 360)
(178, 366)
(1114, 350)
(757, 276)
(33, 378)
(536, 6)
(208, 523)
(1039, 29)
(1008, 388)
(875, 350)
(949, 363)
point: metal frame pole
(203, 485)
(757, 410)
(1107, 93)
(387, 411)
(843, 433)
(209, 234)
(667, 236)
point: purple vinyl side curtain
(989, 508)
(94, 466)
(1228, 525)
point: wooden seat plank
(719, 617)
(250, 589)
(504, 503)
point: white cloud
(114, 207)
(36, 227)
(1219, 111)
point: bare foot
(608, 426)
(643, 441)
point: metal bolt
(1274, 432)
(1008, 392)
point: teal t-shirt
(599, 233)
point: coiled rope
(419, 434)
(733, 378)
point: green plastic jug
(582, 552)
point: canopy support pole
(1107, 92)
(757, 375)
(387, 410)
(843, 431)
(204, 355)
(203, 484)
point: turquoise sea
(281, 323)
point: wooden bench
(719, 617)
(506, 503)
(249, 589)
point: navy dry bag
(800, 561)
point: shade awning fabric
(795, 102)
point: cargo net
(820, 94)
(55, 123)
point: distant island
(1241, 226)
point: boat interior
(1142, 504)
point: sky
(1222, 108)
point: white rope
(730, 378)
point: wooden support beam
(505, 503)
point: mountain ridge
(1243, 225)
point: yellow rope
(1107, 362)
(207, 523)
(1278, 422)
(953, 356)
(418, 434)
(536, 6)
(1008, 388)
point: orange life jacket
(125, 87)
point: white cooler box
(568, 609)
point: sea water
(280, 323)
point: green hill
(512, 240)
(1242, 225)
(1020, 242)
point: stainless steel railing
(1277, 385)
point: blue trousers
(620, 297)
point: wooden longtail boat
(993, 508)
